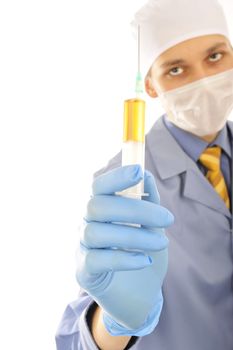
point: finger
(102, 235)
(127, 210)
(104, 260)
(150, 188)
(117, 179)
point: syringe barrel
(133, 148)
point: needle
(139, 81)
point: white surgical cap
(165, 23)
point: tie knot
(210, 158)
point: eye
(174, 70)
(214, 56)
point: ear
(150, 88)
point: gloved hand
(120, 266)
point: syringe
(133, 148)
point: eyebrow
(180, 60)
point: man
(138, 300)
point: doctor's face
(188, 61)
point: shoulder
(113, 163)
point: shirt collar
(193, 145)
(223, 140)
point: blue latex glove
(123, 267)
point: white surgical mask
(201, 107)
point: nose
(199, 73)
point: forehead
(192, 48)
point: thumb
(150, 188)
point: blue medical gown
(198, 289)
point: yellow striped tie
(210, 158)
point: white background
(65, 69)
